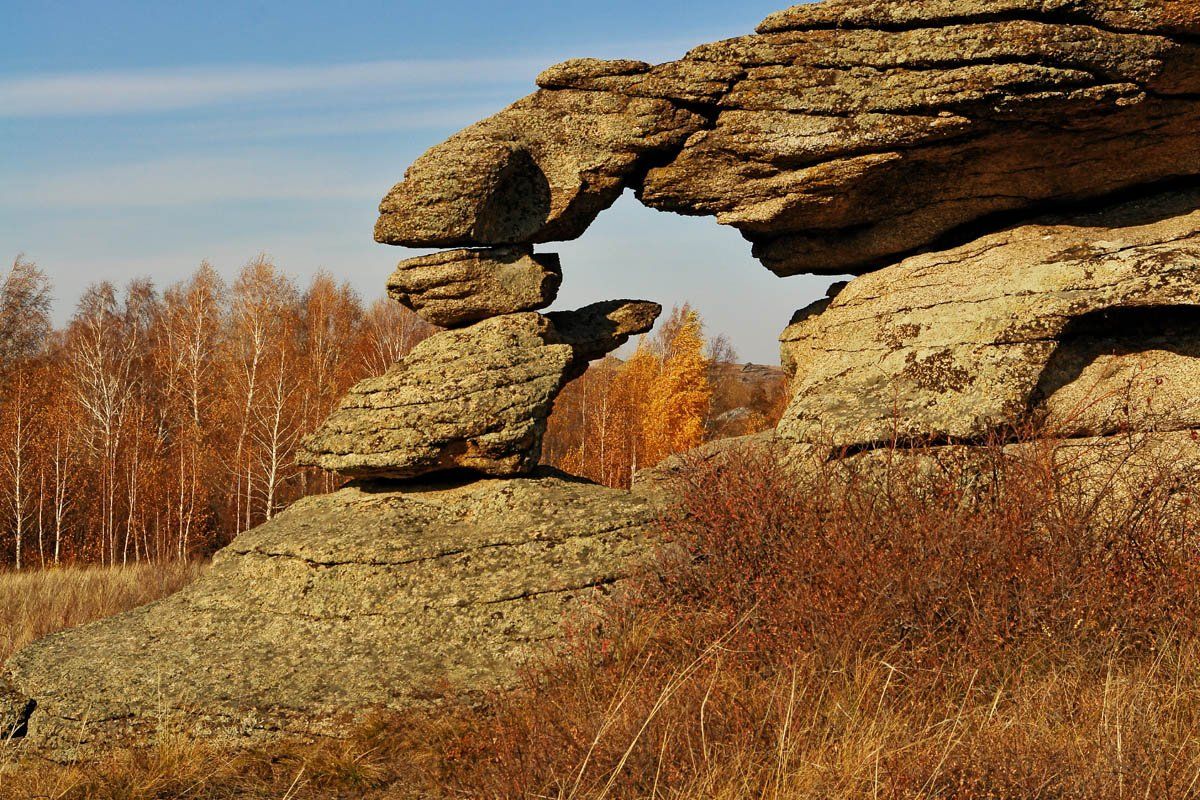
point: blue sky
(137, 139)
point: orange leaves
(680, 395)
(622, 416)
(166, 422)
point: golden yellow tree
(679, 397)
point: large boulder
(475, 398)
(458, 287)
(377, 596)
(843, 134)
(1076, 327)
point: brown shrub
(974, 628)
(846, 636)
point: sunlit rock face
(916, 143)
(476, 398)
(838, 137)
(381, 595)
(1079, 326)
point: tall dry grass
(36, 603)
(975, 630)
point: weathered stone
(538, 171)
(1088, 325)
(1173, 16)
(378, 595)
(474, 398)
(15, 709)
(844, 134)
(840, 149)
(582, 73)
(459, 287)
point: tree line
(157, 425)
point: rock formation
(459, 287)
(841, 135)
(476, 398)
(1087, 326)
(376, 596)
(910, 142)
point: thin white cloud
(189, 180)
(343, 123)
(152, 90)
(126, 92)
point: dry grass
(930, 636)
(34, 604)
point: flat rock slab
(473, 398)
(1083, 326)
(459, 287)
(375, 596)
(841, 136)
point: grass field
(33, 604)
(831, 639)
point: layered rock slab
(376, 596)
(538, 171)
(475, 398)
(459, 287)
(841, 136)
(1146, 16)
(1083, 326)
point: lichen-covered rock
(475, 398)
(377, 596)
(459, 287)
(842, 135)
(1088, 325)
(15, 709)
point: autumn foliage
(157, 425)
(629, 414)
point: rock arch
(847, 136)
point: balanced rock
(474, 398)
(844, 134)
(376, 596)
(459, 287)
(1087, 326)
(539, 171)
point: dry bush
(34, 604)
(979, 629)
(934, 634)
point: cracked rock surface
(379, 595)
(841, 135)
(1089, 325)
(475, 398)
